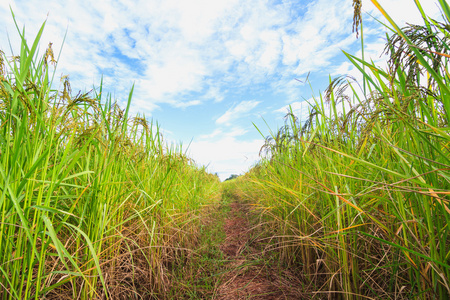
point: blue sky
(206, 70)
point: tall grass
(358, 195)
(93, 203)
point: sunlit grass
(93, 203)
(358, 195)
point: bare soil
(249, 273)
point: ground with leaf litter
(250, 273)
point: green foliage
(92, 202)
(358, 195)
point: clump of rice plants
(358, 195)
(93, 203)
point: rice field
(95, 204)
(357, 195)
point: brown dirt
(248, 276)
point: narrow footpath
(250, 272)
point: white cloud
(237, 112)
(187, 103)
(186, 53)
(300, 109)
(324, 25)
(403, 11)
(219, 133)
(227, 155)
(181, 45)
(213, 93)
(214, 134)
(236, 131)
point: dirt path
(249, 274)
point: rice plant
(358, 194)
(93, 202)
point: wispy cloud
(171, 49)
(300, 109)
(199, 55)
(237, 112)
(217, 132)
(186, 104)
